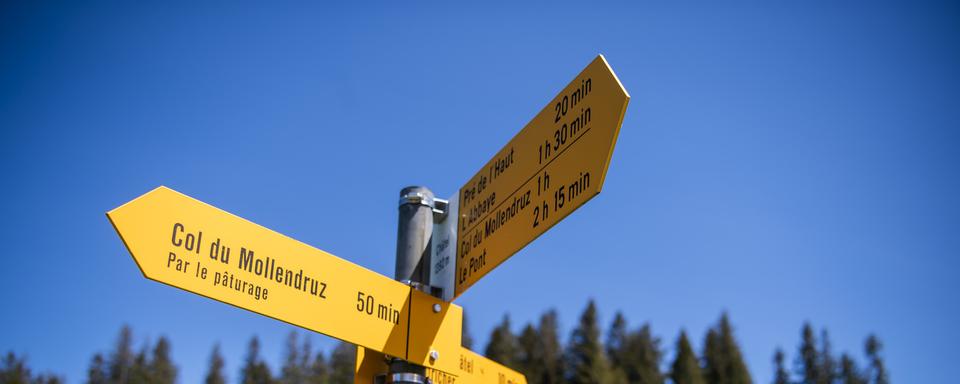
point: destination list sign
(191, 245)
(553, 166)
(470, 368)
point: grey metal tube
(413, 234)
(414, 230)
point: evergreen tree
(723, 362)
(47, 379)
(809, 357)
(215, 371)
(713, 358)
(634, 356)
(122, 358)
(878, 371)
(342, 364)
(161, 368)
(643, 355)
(616, 338)
(139, 372)
(816, 365)
(685, 368)
(293, 370)
(306, 362)
(14, 370)
(616, 344)
(828, 366)
(319, 372)
(529, 355)
(780, 372)
(551, 354)
(255, 370)
(849, 373)
(465, 339)
(587, 360)
(97, 373)
(502, 346)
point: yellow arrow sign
(548, 170)
(472, 368)
(188, 244)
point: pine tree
(809, 357)
(293, 371)
(780, 372)
(529, 355)
(306, 361)
(685, 368)
(14, 370)
(122, 358)
(215, 371)
(161, 368)
(587, 360)
(139, 372)
(643, 357)
(738, 368)
(97, 373)
(849, 373)
(616, 345)
(319, 372)
(713, 358)
(723, 362)
(502, 346)
(878, 371)
(634, 356)
(551, 353)
(342, 364)
(465, 339)
(827, 366)
(48, 379)
(255, 370)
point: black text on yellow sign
(552, 167)
(185, 243)
(470, 368)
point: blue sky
(784, 162)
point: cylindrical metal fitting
(413, 234)
(406, 378)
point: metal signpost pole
(414, 229)
(413, 235)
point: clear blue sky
(784, 162)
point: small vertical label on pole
(444, 248)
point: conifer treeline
(14, 370)
(151, 364)
(636, 356)
(623, 355)
(301, 364)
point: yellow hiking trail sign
(548, 170)
(472, 368)
(188, 244)
(555, 164)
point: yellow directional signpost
(185, 243)
(472, 368)
(548, 170)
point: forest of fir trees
(619, 355)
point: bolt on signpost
(406, 329)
